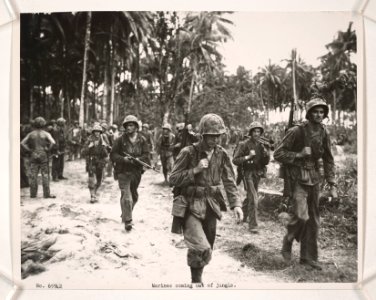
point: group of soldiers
(199, 169)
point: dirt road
(91, 249)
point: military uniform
(39, 142)
(149, 139)
(165, 150)
(59, 152)
(253, 169)
(204, 197)
(96, 155)
(302, 182)
(128, 171)
(74, 139)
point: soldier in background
(38, 143)
(96, 154)
(252, 157)
(178, 139)
(74, 140)
(59, 152)
(126, 148)
(165, 147)
(300, 152)
(199, 171)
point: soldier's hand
(128, 160)
(238, 214)
(202, 164)
(305, 152)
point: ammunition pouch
(179, 206)
(207, 191)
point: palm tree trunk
(191, 91)
(334, 108)
(87, 45)
(106, 86)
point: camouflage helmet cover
(167, 126)
(60, 121)
(39, 122)
(97, 127)
(317, 102)
(211, 124)
(255, 125)
(180, 126)
(130, 119)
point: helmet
(104, 125)
(130, 119)
(255, 125)
(76, 122)
(39, 122)
(180, 126)
(145, 125)
(166, 126)
(317, 102)
(60, 121)
(114, 126)
(53, 121)
(211, 124)
(97, 127)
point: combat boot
(196, 274)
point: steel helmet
(104, 125)
(166, 126)
(39, 122)
(130, 119)
(114, 126)
(60, 121)
(97, 127)
(317, 102)
(180, 126)
(211, 124)
(145, 125)
(255, 125)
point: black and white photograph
(188, 149)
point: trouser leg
(135, 182)
(34, 170)
(252, 202)
(55, 167)
(109, 168)
(24, 178)
(61, 165)
(45, 178)
(99, 174)
(308, 246)
(295, 227)
(126, 202)
(92, 182)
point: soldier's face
(130, 128)
(211, 140)
(256, 133)
(97, 134)
(317, 114)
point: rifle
(145, 165)
(266, 142)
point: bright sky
(260, 36)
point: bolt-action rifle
(140, 162)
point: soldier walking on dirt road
(252, 156)
(199, 171)
(96, 155)
(59, 136)
(39, 143)
(165, 150)
(300, 151)
(126, 149)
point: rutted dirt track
(91, 249)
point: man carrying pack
(39, 143)
(124, 154)
(300, 152)
(199, 171)
(252, 156)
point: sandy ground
(92, 249)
